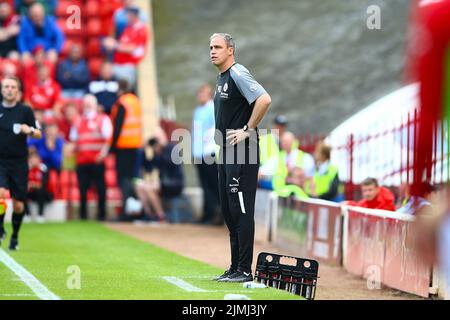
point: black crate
(299, 279)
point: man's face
(204, 95)
(10, 90)
(219, 52)
(89, 104)
(132, 18)
(71, 112)
(34, 160)
(369, 192)
(5, 10)
(75, 53)
(37, 14)
(51, 130)
(106, 73)
(286, 142)
(43, 74)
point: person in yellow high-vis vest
(126, 115)
(269, 144)
(290, 159)
(325, 183)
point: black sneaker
(2, 236)
(240, 277)
(14, 244)
(226, 274)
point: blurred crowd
(88, 112)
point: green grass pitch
(112, 266)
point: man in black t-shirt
(16, 123)
(240, 103)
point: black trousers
(237, 191)
(207, 174)
(126, 162)
(88, 174)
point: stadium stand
(96, 19)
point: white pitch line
(183, 284)
(34, 284)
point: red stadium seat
(61, 8)
(94, 66)
(92, 8)
(113, 194)
(68, 178)
(110, 163)
(110, 177)
(107, 24)
(94, 28)
(94, 48)
(68, 31)
(107, 7)
(53, 183)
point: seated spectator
(38, 29)
(73, 74)
(50, 146)
(375, 196)
(9, 29)
(412, 204)
(171, 178)
(325, 183)
(38, 183)
(31, 67)
(120, 17)
(44, 95)
(68, 117)
(130, 49)
(105, 88)
(22, 6)
(290, 157)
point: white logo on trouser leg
(241, 201)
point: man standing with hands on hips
(240, 103)
(16, 123)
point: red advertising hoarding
(385, 242)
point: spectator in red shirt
(69, 116)
(9, 29)
(130, 49)
(31, 66)
(375, 196)
(44, 95)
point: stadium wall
(373, 244)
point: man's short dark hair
(370, 182)
(281, 120)
(133, 10)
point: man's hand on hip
(236, 136)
